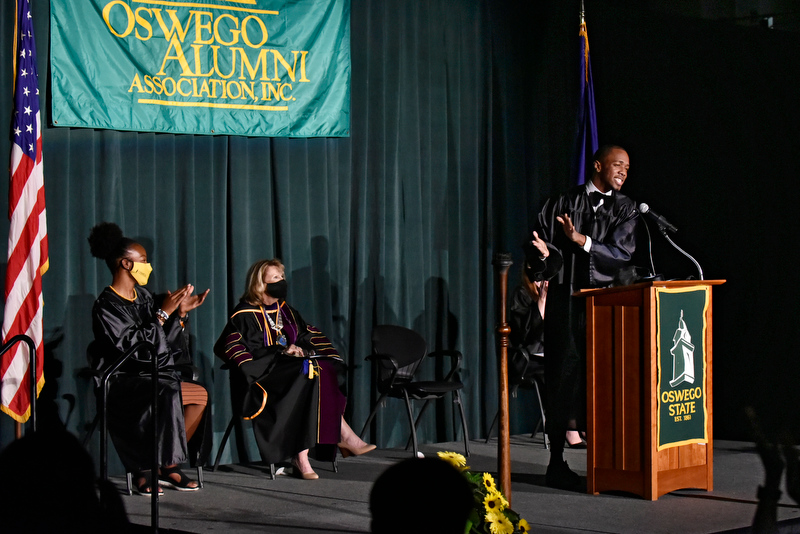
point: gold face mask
(141, 272)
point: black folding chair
(525, 371)
(99, 376)
(237, 386)
(397, 353)
(106, 375)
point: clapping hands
(183, 300)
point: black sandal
(145, 489)
(182, 484)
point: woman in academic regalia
(291, 370)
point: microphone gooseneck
(661, 221)
(664, 226)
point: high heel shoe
(299, 473)
(578, 444)
(348, 450)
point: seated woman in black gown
(527, 329)
(293, 395)
(124, 314)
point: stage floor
(242, 499)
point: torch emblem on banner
(682, 355)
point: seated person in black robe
(528, 301)
(291, 369)
(124, 314)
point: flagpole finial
(583, 13)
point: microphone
(661, 221)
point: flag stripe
(20, 257)
(14, 369)
(25, 179)
(19, 178)
(14, 366)
(23, 168)
(26, 235)
(27, 311)
(31, 325)
(19, 400)
(16, 391)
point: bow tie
(596, 196)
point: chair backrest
(404, 345)
(517, 365)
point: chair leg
(372, 415)
(411, 423)
(543, 420)
(422, 411)
(223, 443)
(335, 465)
(272, 471)
(416, 422)
(103, 434)
(91, 429)
(457, 400)
(491, 428)
(539, 426)
(200, 475)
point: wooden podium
(629, 411)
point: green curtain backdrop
(392, 225)
(462, 123)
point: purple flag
(586, 142)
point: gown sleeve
(311, 338)
(615, 251)
(122, 326)
(527, 325)
(242, 340)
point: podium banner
(682, 411)
(234, 67)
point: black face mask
(278, 290)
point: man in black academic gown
(594, 229)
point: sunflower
(492, 517)
(455, 459)
(523, 526)
(488, 482)
(496, 493)
(499, 523)
(493, 502)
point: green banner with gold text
(682, 409)
(233, 67)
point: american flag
(27, 236)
